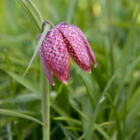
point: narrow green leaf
(16, 114)
(98, 107)
(124, 54)
(129, 70)
(10, 78)
(23, 4)
(29, 85)
(89, 93)
(68, 119)
(9, 131)
(58, 92)
(81, 113)
(5, 84)
(118, 122)
(100, 130)
(111, 33)
(59, 110)
(35, 52)
(125, 76)
(133, 97)
(36, 9)
(70, 11)
(22, 98)
(63, 129)
(73, 128)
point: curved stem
(46, 21)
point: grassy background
(91, 106)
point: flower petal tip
(95, 65)
(65, 82)
(88, 71)
(53, 84)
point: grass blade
(35, 52)
(68, 119)
(36, 9)
(98, 106)
(16, 114)
(95, 125)
(26, 83)
(89, 93)
(120, 136)
(70, 11)
(81, 113)
(38, 30)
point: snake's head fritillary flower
(60, 42)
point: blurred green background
(111, 109)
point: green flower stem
(45, 101)
(48, 110)
(45, 106)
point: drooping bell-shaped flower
(60, 41)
